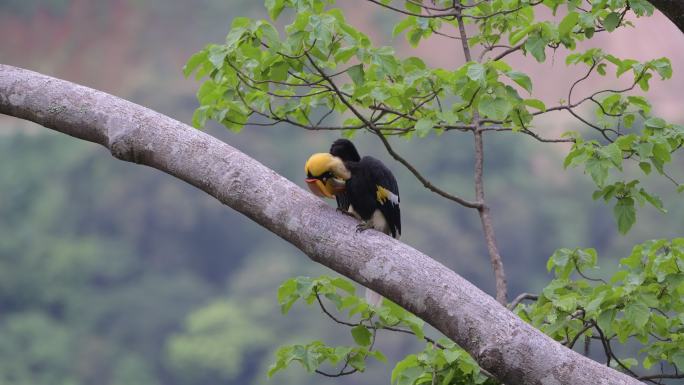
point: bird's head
(325, 174)
(345, 150)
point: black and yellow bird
(364, 187)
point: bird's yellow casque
(325, 174)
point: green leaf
(344, 284)
(495, 107)
(637, 314)
(194, 61)
(535, 103)
(663, 67)
(403, 25)
(656, 123)
(361, 335)
(625, 214)
(406, 371)
(279, 71)
(476, 72)
(605, 320)
(653, 200)
(423, 127)
(536, 45)
(614, 154)
(645, 167)
(345, 53)
(217, 56)
(598, 170)
(449, 376)
(678, 359)
(274, 8)
(521, 79)
(611, 21)
(358, 362)
(356, 74)
(645, 150)
(378, 356)
(568, 23)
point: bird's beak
(318, 188)
(336, 185)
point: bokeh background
(112, 273)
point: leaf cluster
(643, 301)
(442, 360)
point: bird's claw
(363, 226)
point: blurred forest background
(112, 274)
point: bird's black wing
(342, 199)
(345, 150)
(386, 191)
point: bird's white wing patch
(382, 194)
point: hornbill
(364, 187)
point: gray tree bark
(502, 343)
(672, 9)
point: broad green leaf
(344, 285)
(605, 320)
(403, 25)
(358, 362)
(476, 72)
(614, 154)
(678, 359)
(611, 21)
(361, 335)
(494, 107)
(194, 61)
(656, 123)
(536, 45)
(625, 214)
(568, 23)
(378, 356)
(521, 79)
(637, 314)
(423, 127)
(535, 103)
(598, 170)
(274, 7)
(356, 74)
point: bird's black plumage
(345, 150)
(372, 187)
(365, 192)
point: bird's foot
(345, 212)
(363, 226)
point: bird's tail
(373, 298)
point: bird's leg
(363, 226)
(345, 212)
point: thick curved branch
(673, 9)
(502, 343)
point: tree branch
(500, 342)
(673, 9)
(483, 210)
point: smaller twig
(522, 297)
(587, 326)
(588, 278)
(318, 298)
